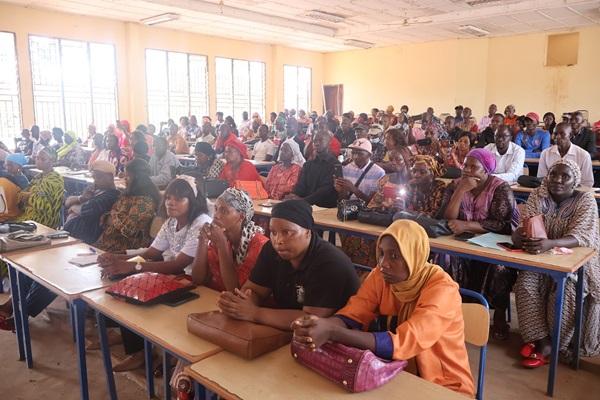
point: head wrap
(204, 148)
(51, 152)
(126, 125)
(141, 148)
(191, 181)
(45, 135)
(103, 166)
(414, 248)
(430, 163)
(297, 211)
(297, 157)
(17, 158)
(239, 146)
(485, 157)
(569, 163)
(66, 148)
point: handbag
(433, 227)
(355, 369)
(375, 217)
(254, 188)
(529, 181)
(534, 227)
(147, 288)
(244, 338)
(214, 187)
(347, 210)
(22, 240)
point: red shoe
(527, 350)
(7, 324)
(535, 360)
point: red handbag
(254, 188)
(534, 227)
(147, 288)
(355, 369)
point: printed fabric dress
(45, 201)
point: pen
(92, 250)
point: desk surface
(277, 375)
(80, 176)
(162, 324)
(52, 269)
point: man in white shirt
(564, 149)
(265, 148)
(509, 156)
(360, 169)
(486, 120)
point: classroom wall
(470, 72)
(131, 40)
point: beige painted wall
(132, 39)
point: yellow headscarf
(64, 150)
(414, 247)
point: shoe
(527, 350)
(7, 324)
(500, 334)
(131, 362)
(535, 360)
(113, 338)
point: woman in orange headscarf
(419, 310)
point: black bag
(433, 227)
(19, 226)
(375, 217)
(529, 181)
(347, 210)
(214, 187)
(452, 173)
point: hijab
(66, 148)
(297, 157)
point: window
(74, 84)
(240, 87)
(10, 110)
(177, 85)
(296, 88)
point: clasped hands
(238, 305)
(311, 332)
(212, 232)
(112, 264)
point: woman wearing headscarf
(284, 176)
(208, 165)
(418, 307)
(570, 221)
(71, 152)
(479, 202)
(43, 141)
(14, 167)
(98, 142)
(237, 167)
(12, 181)
(123, 131)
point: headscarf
(239, 146)
(430, 163)
(569, 163)
(51, 152)
(414, 248)
(297, 157)
(126, 125)
(64, 150)
(485, 157)
(17, 158)
(45, 135)
(103, 166)
(241, 201)
(297, 211)
(204, 148)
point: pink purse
(355, 369)
(534, 227)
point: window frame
(5, 133)
(232, 60)
(297, 107)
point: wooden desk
(79, 180)
(277, 375)
(159, 324)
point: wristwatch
(138, 267)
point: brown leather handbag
(243, 338)
(534, 227)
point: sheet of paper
(489, 240)
(84, 261)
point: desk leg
(332, 237)
(200, 392)
(149, 372)
(78, 306)
(22, 291)
(558, 306)
(167, 374)
(105, 350)
(14, 290)
(578, 315)
(73, 326)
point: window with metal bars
(297, 83)
(74, 84)
(10, 102)
(176, 85)
(240, 87)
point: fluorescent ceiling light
(358, 43)
(159, 19)
(474, 3)
(473, 30)
(323, 16)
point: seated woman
(394, 138)
(455, 156)
(479, 202)
(14, 167)
(208, 165)
(113, 153)
(573, 223)
(418, 307)
(237, 167)
(235, 242)
(127, 224)
(172, 252)
(434, 149)
(71, 152)
(284, 176)
(140, 150)
(304, 273)
(98, 147)
(12, 181)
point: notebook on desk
(489, 240)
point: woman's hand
(214, 233)
(238, 305)
(311, 332)
(107, 259)
(517, 237)
(467, 183)
(117, 268)
(25, 197)
(457, 226)
(536, 245)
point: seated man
(488, 135)
(264, 149)
(509, 156)
(564, 149)
(361, 175)
(582, 136)
(161, 162)
(84, 212)
(177, 142)
(316, 180)
(532, 139)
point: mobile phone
(58, 236)
(464, 236)
(390, 192)
(184, 298)
(267, 204)
(338, 171)
(509, 246)
(424, 142)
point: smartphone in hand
(338, 171)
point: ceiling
(377, 22)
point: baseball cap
(362, 144)
(363, 127)
(533, 116)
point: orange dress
(433, 334)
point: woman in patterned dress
(570, 218)
(113, 153)
(71, 152)
(283, 177)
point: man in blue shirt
(532, 139)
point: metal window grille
(240, 86)
(297, 83)
(10, 102)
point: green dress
(43, 206)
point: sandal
(501, 334)
(535, 360)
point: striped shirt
(369, 183)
